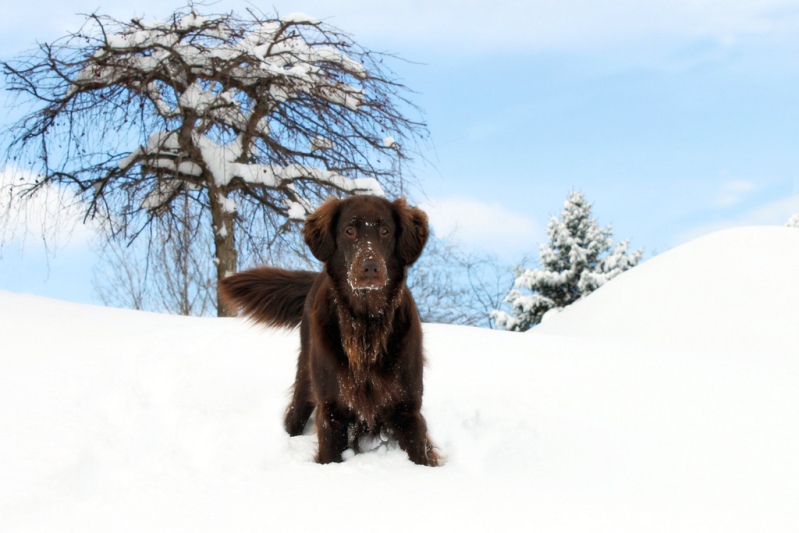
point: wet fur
(360, 364)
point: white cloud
(774, 214)
(52, 216)
(733, 192)
(484, 226)
(564, 24)
(472, 24)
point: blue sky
(676, 118)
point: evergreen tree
(579, 258)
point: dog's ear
(319, 230)
(413, 231)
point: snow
(321, 144)
(296, 211)
(228, 205)
(291, 64)
(678, 290)
(299, 18)
(664, 401)
(160, 194)
(195, 97)
(131, 158)
(221, 162)
(579, 258)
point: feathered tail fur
(268, 295)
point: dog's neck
(365, 320)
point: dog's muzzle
(368, 273)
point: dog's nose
(371, 268)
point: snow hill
(735, 290)
(666, 401)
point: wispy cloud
(773, 214)
(475, 25)
(734, 192)
(484, 226)
(52, 216)
(566, 23)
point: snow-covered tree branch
(255, 119)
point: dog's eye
(350, 231)
(384, 231)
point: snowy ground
(666, 401)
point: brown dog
(361, 361)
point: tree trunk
(223, 215)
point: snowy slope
(735, 290)
(116, 420)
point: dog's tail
(268, 295)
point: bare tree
(453, 286)
(123, 280)
(170, 271)
(252, 119)
(489, 281)
(183, 277)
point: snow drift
(735, 290)
(665, 401)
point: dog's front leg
(331, 428)
(410, 429)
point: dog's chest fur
(368, 384)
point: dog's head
(367, 240)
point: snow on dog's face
(366, 241)
(365, 237)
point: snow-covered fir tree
(794, 221)
(578, 259)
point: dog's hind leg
(301, 406)
(299, 410)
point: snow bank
(732, 291)
(116, 420)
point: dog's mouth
(366, 285)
